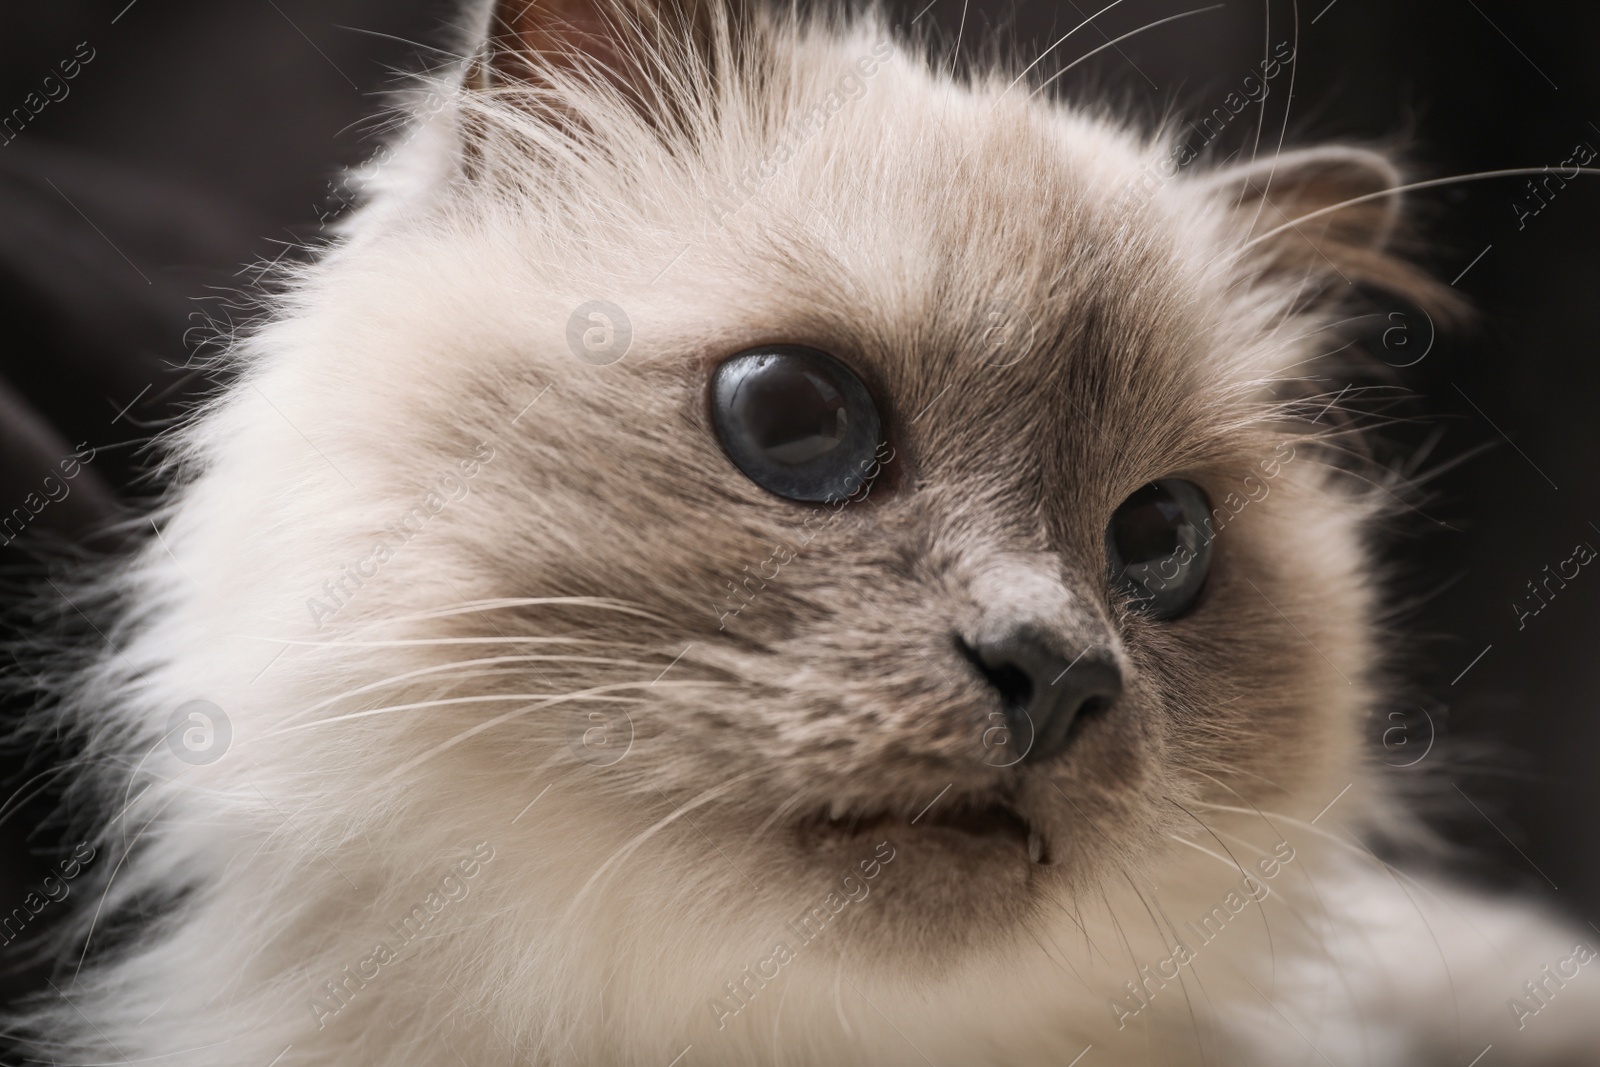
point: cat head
(840, 455)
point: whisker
(442, 668)
(127, 851)
(16, 795)
(1116, 41)
(1431, 183)
(1283, 131)
(540, 701)
(1261, 121)
(1201, 848)
(453, 56)
(638, 840)
(475, 698)
(1265, 922)
(506, 603)
(411, 642)
(1059, 41)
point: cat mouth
(984, 822)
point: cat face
(1009, 319)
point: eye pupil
(796, 421)
(1157, 551)
(1148, 526)
(791, 412)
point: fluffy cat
(497, 692)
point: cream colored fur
(584, 527)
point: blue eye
(795, 421)
(1157, 551)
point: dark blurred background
(194, 138)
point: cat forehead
(984, 183)
(899, 210)
(983, 241)
(826, 150)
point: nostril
(1042, 692)
(1015, 687)
(1006, 740)
(1010, 681)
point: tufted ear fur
(1328, 215)
(649, 50)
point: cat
(751, 549)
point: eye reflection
(795, 420)
(1157, 553)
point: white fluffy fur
(615, 908)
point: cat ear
(637, 46)
(1327, 214)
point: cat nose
(1042, 690)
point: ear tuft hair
(634, 45)
(1330, 213)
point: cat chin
(943, 899)
(929, 891)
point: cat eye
(1157, 551)
(797, 422)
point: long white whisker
(1116, 41)
(1060, 41)
(450, 668)
(1283, 131)
(409, 642)
(504, 603)
(111, 878)
(1431, 183)
(540, 701)
(633, 845)
(1266, 49)
(1225, 861)
(476, 698)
